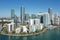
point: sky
(31, 6)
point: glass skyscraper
(46, 19)
(13, 16)
(12, 13)
(22, 14)
(50, 14)
(27, 16)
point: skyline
(31, 6)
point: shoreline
(24, 34)
(31, 34)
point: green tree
(13, 32)
(5, 31)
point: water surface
(48, 35)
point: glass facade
(12, 13)
(27, 16)
(41, 19)
(13, 16)
(46, 19)
(22, 14)
(50, 14)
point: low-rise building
(18, 30)
(24, 29)
(40, 27)
(32, 28)
(34, 22)
(10, 27)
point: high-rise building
(12, 13)
(41, 19)
(56, 19)
(13, 16)
(53, 19)
(44, 18)
(22, 14)
(27, 16)
(15, 20)
(50, 14)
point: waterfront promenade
(30, 34)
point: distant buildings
(30, 22)
(33, 16)
(56, 19)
